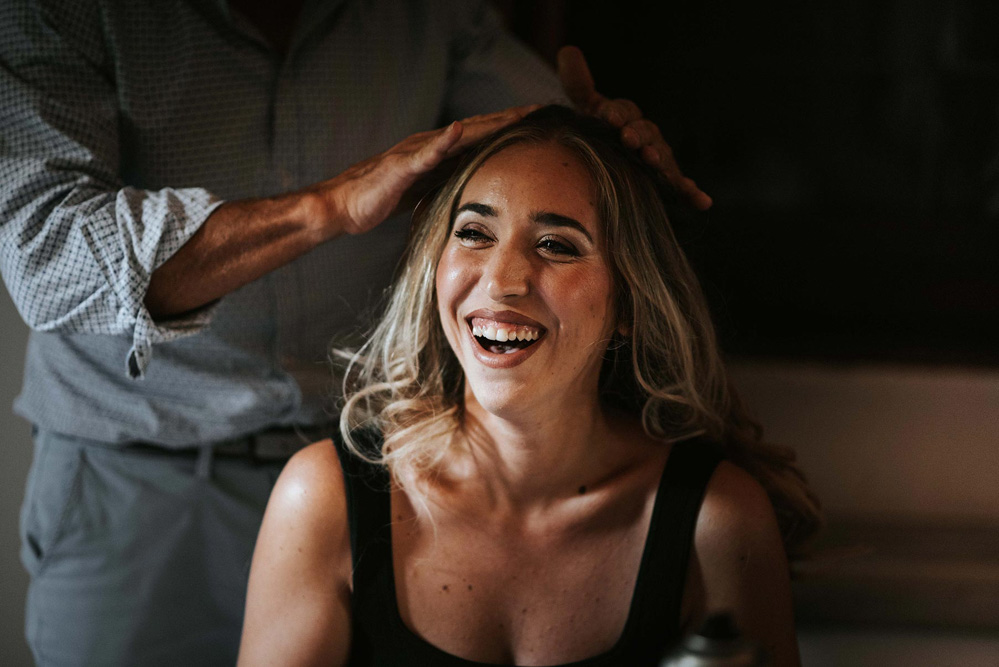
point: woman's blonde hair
(406, 384)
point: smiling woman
(527, 256)
(542, 461)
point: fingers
(697, 197)
(477, 127)
(641, 132)
(577, 82)
(422, 152)
(618, 112)
(637, 132)
(658, 154)
(435, 148)
(644, 136)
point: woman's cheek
(448, 276)
(590, 296)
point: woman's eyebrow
(549, 219)
(545, 218)
(474, 207)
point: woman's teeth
(503, 337)
(504, 334)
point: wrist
(317, 214)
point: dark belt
(272, 445)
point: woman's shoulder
(736, 517)
(311, 485)
(739, 562)
(308, 503)
(735, 502)
(299, 589)
(307, 510)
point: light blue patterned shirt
(125, 123)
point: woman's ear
(625, 317)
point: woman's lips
(503, 339)
(504, 316)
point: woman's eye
(556, 247)
(470, 236)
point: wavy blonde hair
(406, 384)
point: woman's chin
(506, 399)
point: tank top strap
(663, 572)
(367, 489)
(378, 633)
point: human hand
(363, 196)
(637, 132)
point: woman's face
(524, 285)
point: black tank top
(379, 636)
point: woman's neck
(537, 456)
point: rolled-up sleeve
(77, 245)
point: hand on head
(637, 132)
(368, 192)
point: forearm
(238, 243)
(241, 241)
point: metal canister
(717, 644)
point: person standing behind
(136, 140)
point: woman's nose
(508, 274)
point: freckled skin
(554, 560)
(571, 296)
(547, 512)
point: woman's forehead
(519, 154)
(543, 173)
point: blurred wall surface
(904, 458)
(16, 435)
(897, 442)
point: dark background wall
(851, 263)
(851, 149)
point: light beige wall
(895, 441)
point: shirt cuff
(147, 332)
(178, 214)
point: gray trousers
(138, 557)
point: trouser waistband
(273, 445)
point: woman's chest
(504, 598)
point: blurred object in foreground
(717, 644)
